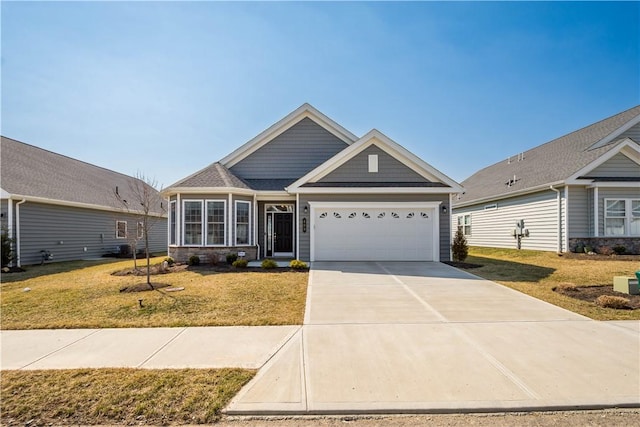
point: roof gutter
(559, 218)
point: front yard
(538, 273)
(86, 295)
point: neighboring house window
(622, 217)
(121, 229)
(215, 222)
(172, 223)
(192, 224)
(140, 230)
(242, 222)
(464, 224)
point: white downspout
(559, 219)
(596, 212)
(18, 263)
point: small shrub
(269, 264)
(240, 263)
(459, 248)
(6, 249)
(296, 264)
(231, 258)
(619, 250)
(588, 249)
(194, 260)
(609, 301)
(605, 250)
(170, 261)
(580, 248)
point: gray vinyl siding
(633, 133)
(445, 227)
(617, 166)
(613, 193)
(493, 227)
(291, 154)
(67, 231)
(389, 169)
(4, 217)
(579, 212)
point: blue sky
(166, 88)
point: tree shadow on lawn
(509, 271)
(37, 270)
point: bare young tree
(146, 204)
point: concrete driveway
(425, 337)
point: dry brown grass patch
(609, 301)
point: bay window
(192, 223)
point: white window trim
(628, 216)
(235, 222)
(173, 218)
(118, 229)
(202, 219)
(206, 222)
(139, 230)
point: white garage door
(374, 233)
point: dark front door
(283, 235)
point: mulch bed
(590, 293)
(600, 257)
(155, 269)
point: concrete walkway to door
(425, 337)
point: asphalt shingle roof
(214, 175)
(26, 170)
(549, 163)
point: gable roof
(32, 173)
(555, 162)
(302, 112)
(435, 178)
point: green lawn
(536, 273)
(86, 295)
(118, 396)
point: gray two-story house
(307, 188)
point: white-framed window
(140, 230)
(192, 222)
(215, 222)
(121, 229)
(464, 224)
(243, 222)
(622, 217)
(172, 223)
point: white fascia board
(608, 184)
(627, 144)
(375, 137)
(613, 135)
(304, 111)
(206, 190)
(374, 190)
(271, 196)
(47, 201)
(321, 204)
(524, 192)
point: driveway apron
(398, 337)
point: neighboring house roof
(556, 162)
(32, 173)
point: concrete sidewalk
(214, 347)
(416, 337)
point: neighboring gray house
(580, 189)
(66, 207)
(307, 188)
